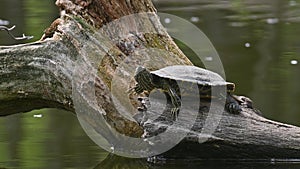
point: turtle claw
(138, 89)
(144, 101)
(174, 113)
(141, 117)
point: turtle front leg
(175, 99)
(138, 88)
(232, 105)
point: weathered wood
(41, 74)
(246, 135)
(29, 77)
(70, 38)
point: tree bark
(41, 74)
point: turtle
(167, 80)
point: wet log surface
(41, 74)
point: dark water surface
(258, 42)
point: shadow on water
(116, 162)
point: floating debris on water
(272, 20)
(4, 22)
(238, 24)
(167, 20)
(294, 62)
(112, 148)
(195, 19)
(37, 115)
(247, 45)
(208, 58)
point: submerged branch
(8, 30)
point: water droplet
(195, 19)
(272, 20)
(37, 115)
(247, 45)
(294, 62)
(167, 20)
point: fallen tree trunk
(41, 74)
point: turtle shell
(195, 75)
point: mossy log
(40, 75)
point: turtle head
(142, 75)
(140, 69)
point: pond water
(258, 43)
